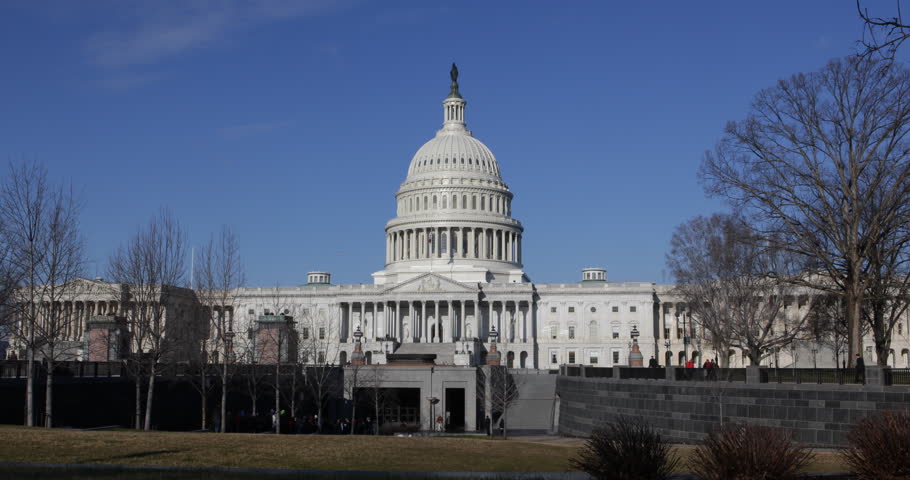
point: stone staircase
(445, 352)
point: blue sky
(295, 122)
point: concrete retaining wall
(685, 411)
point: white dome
(456, 152)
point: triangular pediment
(431, 283)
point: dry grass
(20, 444)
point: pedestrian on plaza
(653, 362)
(860, 369)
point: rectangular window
(632, 309)
(615, 334)
(592, 358)
(615, 357)
(553, 331)
(554, 357)
(666, 333)
(571, 332)
(320, 358)
(305, 333)
(571, 357)
(615, 309)
(322, 333)
(571, 309)
(552, 309)
(251, 311)
(615, 331)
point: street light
(667, 357)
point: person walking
(860, 369)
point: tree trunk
(202, 394)
(278, 397)
(224, 418)
(138, 423)
(30, 388)
(376, 400)
(149, 396)
(319, 409)
(49, 394)
(854, 299)
(353, 414)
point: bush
(879, 447)
(749, 452)
(626, 450)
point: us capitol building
(454, 280)
(454, 274)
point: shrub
(749, 452)
(627, 449)
(879, 447)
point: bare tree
(827, 325)
(151, 269)
(504, 392)
(805, 161)
(736, 285)
(43, 255)
(371, 379)
(218, 277)
(318, 351)
(884, 35)
(354, 381)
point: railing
(598, 372)
(819, 376)
(572, 370)
(897, 376)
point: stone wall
(685, 411)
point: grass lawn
(21, 444)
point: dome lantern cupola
(453, 107)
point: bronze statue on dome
(454, 74)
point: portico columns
(450, 324)
(461, 322)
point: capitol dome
(454, 214)
(455, 151)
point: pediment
(431, 283)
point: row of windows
(491, 203)
(615, 309)
(572, 357)
(592, 330)
(470, 162)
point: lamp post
(667, 357)
(635, 357)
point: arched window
(464, 201)
(445, 201)
(473, 202)
(435, 205)
(483, 202)
(425, 203)
(592, 330)
(454, 201)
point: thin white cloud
(155, 31)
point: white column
(461, 322)
(423, 321)
(490, 321)
(524, 325)
(447, 333)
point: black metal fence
(897, 376)
(818, 376)
(643, 373)
(598, 372)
